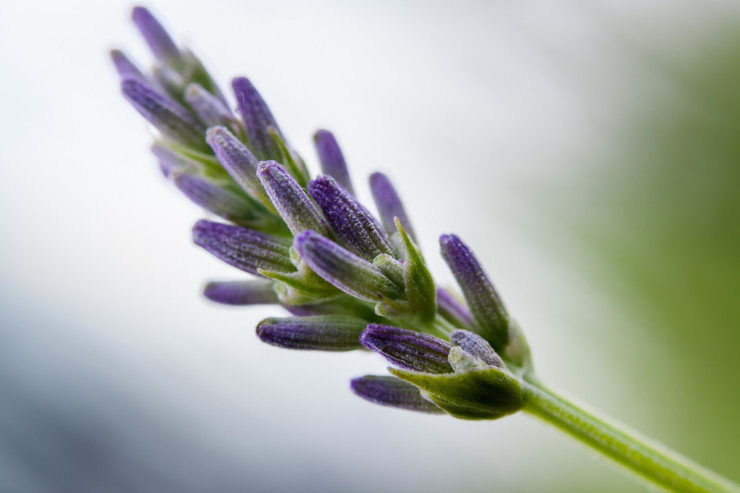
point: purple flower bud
(345, 270)
(208, 107)
(408, 349)
(389, 204)
(331, 159)
(214, 198)
(169, 117)
(290, 200)
(243, 248)
(238, 162)
(351, 222)
(393, 392)
(484, 302)
(253, 292)
(475, 345)
(155, 35)
(257, 119)
(125, 67)
(323, 333)
(453, 310)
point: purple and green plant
(349, 280)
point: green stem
(638, 454)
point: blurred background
(588, 152)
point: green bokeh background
(658, 212)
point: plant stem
(638, 454)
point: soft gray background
(514, 124)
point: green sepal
(190, 160)
(290, 161)
(394, 309)
(485, 393)
(418, 282)
(302, 286)
(517, 350)
(342, 304)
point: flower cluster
(349, 280)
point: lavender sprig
(349, 280)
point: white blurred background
(493, 119)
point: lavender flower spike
(351, 222)
(169, 117)
(238, 162)
(322, 333)
(389, 204)
(484, 302)
(390, 391)
(257, 119)
(331, 159)
(156, 36)
(252, 292)
(243, 248)
(345, 270)
(408, 349)
(291, 202)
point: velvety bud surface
(290, 200)
(239, 162)
(243, 248)
(475, 345)
(345, 270)
(323, 332)
(485, 304)
(408, 349)
(331, 159)
(390, 391)
(356, 228)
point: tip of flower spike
(155, 35)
